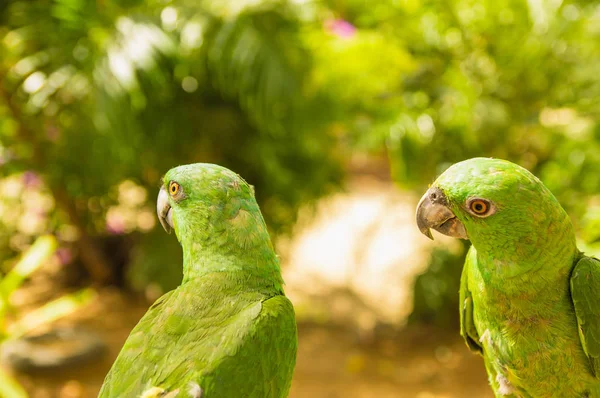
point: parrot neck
(542, 254)
(205, 256)
(233, 239)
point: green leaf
(9, 387)
(51, 311)
(34, 258)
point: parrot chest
(531, 349)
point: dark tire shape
(58, 348)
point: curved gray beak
(433, 213)
(163, 210)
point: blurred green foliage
(125, 90)
(14, 325)
(97, 94)
(435, 294)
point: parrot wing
(467, 326)
(262, 363)
(585, 293)
(120, 380)
(208, 346)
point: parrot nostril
(433, 196)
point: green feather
(585, 291)
(467, 326)
(520, 306)
(228, 330)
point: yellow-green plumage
(228, 330)
(530, 301)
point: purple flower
(340, 28)
(64, 255)
(31, 179)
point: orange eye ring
(174, 188)
(479, 207)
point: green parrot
(529, 299)
(228, 330)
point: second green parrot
(529, 299)
(228, 330)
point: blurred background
(340, 112)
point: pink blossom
(64, 255)
(340, 28)
(31, 179)
(115, 224)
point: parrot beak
(163, 210)
(433, 212)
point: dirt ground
(332, 362)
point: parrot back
(208, 340)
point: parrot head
(495, 204)
(203, 202)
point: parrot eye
(174, 188)
(480, 207)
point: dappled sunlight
(363, 242)
(131, 212)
